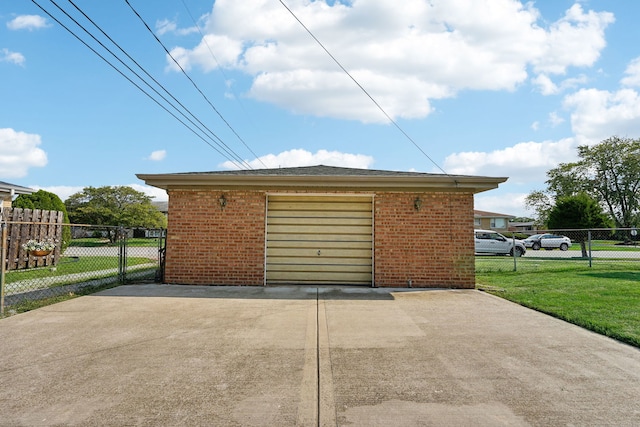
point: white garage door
(319, 240)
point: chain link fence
(88, 257)
(611, 246)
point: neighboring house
(162, 207)
(522, 226)
(320, 225)
(8, 191)
(491, 220)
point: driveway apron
(189, 355)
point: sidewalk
(188, 355)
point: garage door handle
(318, 252)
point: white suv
(547, 241)
(492, 242)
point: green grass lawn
(604, 298)
(94, 242)
(72, 265)
(609, 245)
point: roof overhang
(7, 188)
(417, 182)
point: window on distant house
(498, 223)
(476, 222)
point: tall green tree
(609, 172)
(577, 212)
(119, 206)
(46, 200)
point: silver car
(547, 241)
(492, 242)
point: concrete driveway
(283, 356)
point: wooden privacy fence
(31, 224)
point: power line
(215, 137)
(191, 80)
(70, 31)
(220, 68)
(362, 88)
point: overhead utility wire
(127, 77)
(237, 98)
(362, 88)
(189, 78)
(124, 75)
(215, 137)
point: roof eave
(475, 184)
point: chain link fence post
(515, 253)
(589, 245)
(122, 256)
(3, 268)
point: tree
(577, 212)
(119, 206)
(45, 200)
(608, 172)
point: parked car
(492, 242)
(547, 241)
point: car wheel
(535, 246)
(518, 252)
(564, 246)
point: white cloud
(523, 162)
(13, 57)
(509, 204)
(405, 57)
(632, 74)
(555, 119)
(574, 40)
(158, 155)
(156, 194)
(27, 22)
(600, 114)
(62, 191)
(547, 87)
(166, 26)
(300, 157)
(535, 125)
(18, 152)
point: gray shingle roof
(319, 170)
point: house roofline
(6, 187)
(417, 182)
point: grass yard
(95, 242)
(609, 245)
(72, 265)
(604, 298)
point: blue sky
(483, 87)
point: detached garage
(320, 225)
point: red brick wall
(207, 245)
(432, 247)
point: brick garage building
(321, 225)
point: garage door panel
(318, 277)
(319, 206)
(320, 214)
(324, 253)
(314, 268)
(320, 221)
(324, 198)
(319, 229)
(333, 244)
(287, 237)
